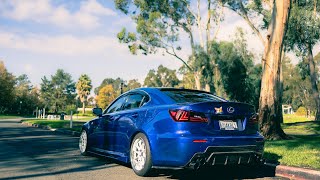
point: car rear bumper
(173, 151)
(227, 155)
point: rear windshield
(184, 96)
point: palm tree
(83, 89)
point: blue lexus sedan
(174, 128)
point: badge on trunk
(218, 110)
(230, 109)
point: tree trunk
(218, 85)
(283, 55)
(207, 87)
(83, 108)
(197, 80)
(270, 110)
(313, 78)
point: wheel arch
(131, 141)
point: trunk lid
(225, 118)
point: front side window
(116, 106)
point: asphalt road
(32, 153)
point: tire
(140, 155)
(83, 143)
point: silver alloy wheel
(83, 142)
(138, 154)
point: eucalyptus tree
(275, 16)
(84, 87)
(161, 24)
(303, 35)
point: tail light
(253, 119)
(187, 116)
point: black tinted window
(134, 101)
(183, 96)
(116, 106)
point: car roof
(157, 89)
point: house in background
(287, 109)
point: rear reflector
(200, 141)
(187, 116)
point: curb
(62, 131)
(295, 172)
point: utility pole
(121, 87)
(20, 107)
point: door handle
(134, 115)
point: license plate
(228, 125)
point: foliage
(27, 96)
(301, 111)
(132, 84)
(296, 86)
(105, 96)
(163, 77)
(201, 61)
(304, 26)
(240, 77)
(303, 34)
(159, 25)
(84, 87)
(294, 118)
(187, 81)
(116, 83)
(7, 96)
(71, 108)
(58, 92)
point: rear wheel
(83, 143)
(140, 155)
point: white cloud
(42, 11)
(62, 44)
(28, 68)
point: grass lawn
(291, 118)
(303, 150)
(65, 124)
(9, 117)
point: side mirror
(97, 111)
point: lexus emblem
(230, 109)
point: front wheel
(83, 143)
(140, 155)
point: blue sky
(39, 36)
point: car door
(104, 129)
(126, 120)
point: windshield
(184, 96)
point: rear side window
(184, 96)
(135, 101)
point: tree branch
(173, 53)
(208, 24)
(218, 22)
(199, 24)
(189, 9)
(244, 14)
